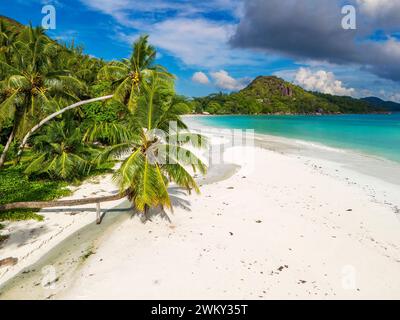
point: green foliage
(15, 186)
(39, 76)
(106, 111)
(348, 104)
(384, 105)
(271, 95)
(146, 173)
(61, 153)
(128, 75)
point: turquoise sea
(373, 134)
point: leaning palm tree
(155, 157)
(31, 83)
(126, 77)
(128, 74)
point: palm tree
(126, 77)
(156, 152)
(83, 66)
(32, 81)
(60, 153)
(156, 157)
(128, 74)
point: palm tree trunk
(146, 212)
(7, 147)
(61, 203)
(56, 114)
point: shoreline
(357, 160)
(69, 252)
(257, 236)
(284, 209)
(287, 114)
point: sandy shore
(282, 226)
(30, 240)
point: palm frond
(116, 151)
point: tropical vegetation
(65, 116)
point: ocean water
(372, 134)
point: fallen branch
(64, 203)
(60, 203)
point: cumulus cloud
(394, 97)
(224, 81)
(385, 12)
(197, 42)
(200, 77)
(321, 81)
(182, 29)
(312, 29)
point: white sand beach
(284, 226)
(29, 240)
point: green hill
(272, 95)
(379, 103)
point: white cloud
(389, 95)
(200, 77)
(391, 47)
(376, 8)
(195, 41)
(321, 81)
(394, 97)
(182, 29)
(381, 15)
(198, 42)
(127, 12)
(224, 81)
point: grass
(15, 187)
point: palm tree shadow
(24, 236)
(74, 211)
(160, 212)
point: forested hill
(389, 105)
(272, 95)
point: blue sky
(221, 45)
